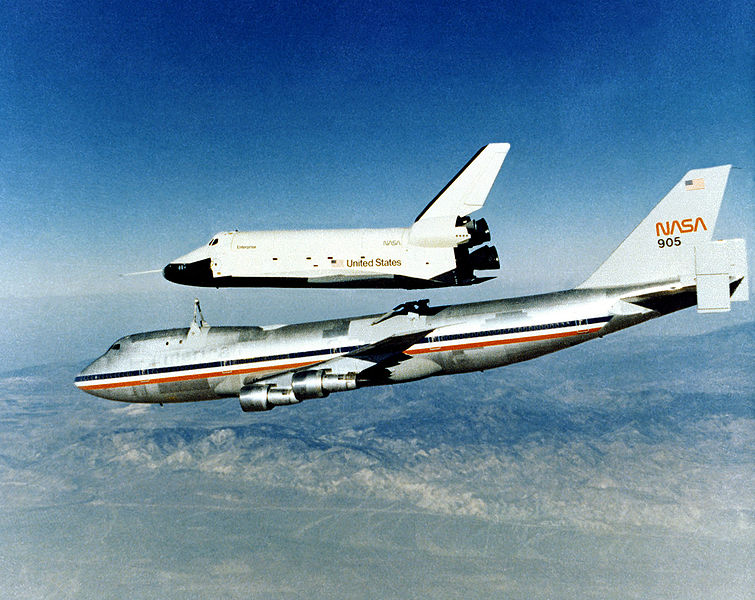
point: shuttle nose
(189, 273)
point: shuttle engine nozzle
(479, 232)
(484, 259)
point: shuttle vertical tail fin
(467, 191)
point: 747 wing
(379, 355)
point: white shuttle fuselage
(436, 251)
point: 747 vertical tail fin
(674, 243)
(661, 247)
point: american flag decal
(694, 184)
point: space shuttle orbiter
(434, 252)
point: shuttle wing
(467, 191)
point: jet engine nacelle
(318, 384)
(256, 398)
(304, 385)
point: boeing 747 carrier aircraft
(669, 262)
(434, 252)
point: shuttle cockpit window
(213, 241)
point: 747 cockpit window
(213, 241)
(115, 346)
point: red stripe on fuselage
(174, 378)
(532, 338)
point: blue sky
(131, 134)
